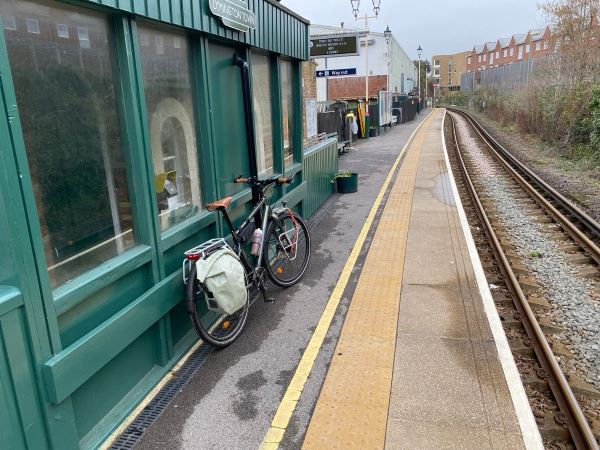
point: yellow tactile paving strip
(352, 409)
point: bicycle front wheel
(217, 330)
(287, 249)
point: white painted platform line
(529, 428)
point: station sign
(332, 46)
(336, 72)
(234, 14)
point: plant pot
(373, 132)
(347, 185)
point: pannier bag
(223, 276)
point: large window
(263, 112)
(167, 85)
(62, 69)
(287, 109)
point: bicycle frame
(267, 213)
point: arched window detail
(167, 87)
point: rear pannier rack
(199, 252)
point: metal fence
(319, 166)
(505, 78)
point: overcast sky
(439, 26)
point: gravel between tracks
(574, 303)
(582, 186)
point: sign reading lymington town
(234, 14)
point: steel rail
(502, 155)
(580, 431)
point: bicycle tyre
(214, 334)
(276, 258)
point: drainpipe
(243, 65)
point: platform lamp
(419, 50)
(388, 37)
(355, 10)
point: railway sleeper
(579, 258)
(528, 284)
(569, 247)
(582, 388)
(519, 269)
(542, 218)
(519, 346)
(502, 299)
(560, 236)
(548, 327)
(589, 273)
(538, 303)
(552, 427)
(532, 379)
(509, 321)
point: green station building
(120, 120)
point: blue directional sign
(336, 72)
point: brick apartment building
(447, 69)
(519, 47)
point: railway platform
(391, 340)
(422, 360)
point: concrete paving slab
(433, 311)
(430, 259)
(430, 220)
(411, 435)
(436, 380)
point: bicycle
(283, 254)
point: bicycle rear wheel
(287, 249)
(219, 331)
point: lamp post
(355, 9)
(388, 37)
(419, 50)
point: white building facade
(384, 60)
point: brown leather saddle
(223, 203)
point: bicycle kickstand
(266, 299)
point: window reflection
(69, 116)
(263, 112)
(167, 86)
(287, 109)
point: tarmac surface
(231, 401)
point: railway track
(500, 186)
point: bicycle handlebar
(258, 183)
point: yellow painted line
(288, 403)
(353, 404)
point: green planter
(373, 132)
(347, 185)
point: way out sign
(336, 72)
(234, 14)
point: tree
(575, 33)
(574, 69)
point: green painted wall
(76, 360)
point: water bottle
(256, 241)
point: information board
(331, 46)
(310, 108)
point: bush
(594, 120)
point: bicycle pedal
(269, 300)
